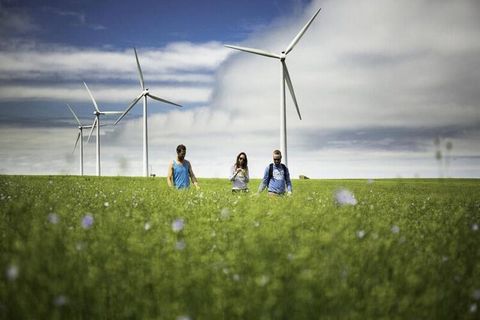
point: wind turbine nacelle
(283, 55)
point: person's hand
(197, 186)
(289, 193)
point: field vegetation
(118, 247)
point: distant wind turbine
(79, 137)
(96, 123)
(285, 77)
(144, 94)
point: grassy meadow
(119, 247)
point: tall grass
(87, 247)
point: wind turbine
(79, 137)
(144, 94)
(285, 77)
(96, 123)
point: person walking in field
(276, 177)
(180, 171)
(239, 174)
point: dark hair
(181, 147)
(277, 152)
(245, 163)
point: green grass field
(113, 248)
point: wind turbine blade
(112, 112)
(300, 34)
(290, 87)
(255, 51)
(91, 131)
(76, 142)
(71, 110)
(142, 83)
(134, 102)
(163, 100)
(91, 96)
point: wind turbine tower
(285, 78)
(144, 94)
(96, 123)
(79, 137)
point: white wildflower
(473, 308)
(60, 300)
(476, 294)
(360, 234)
(262, 281)
(178, 225)
(87, 221)
(225, 213)
(53, 218)
(345, 197)
(12, 272)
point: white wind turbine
(285, 77)
(96, 123)
(144, 94)
(79, 137)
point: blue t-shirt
(181, 175)
(279, 182)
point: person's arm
(264, 182)
(170, 175)
(247, 176)
(287, 180)
(234, 173)
(192, 175)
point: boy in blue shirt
(180, 171)
(276, 177)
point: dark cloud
(395, 139)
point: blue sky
(382, 86)
(123, 24)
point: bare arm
(234, 172)
(170, 175)
(192, 175)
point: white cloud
(102, 93)
(181, 72)
(366, 65)
(177, 59)
(376, 82)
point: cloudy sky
(386, 88)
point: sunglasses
(277, 159)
